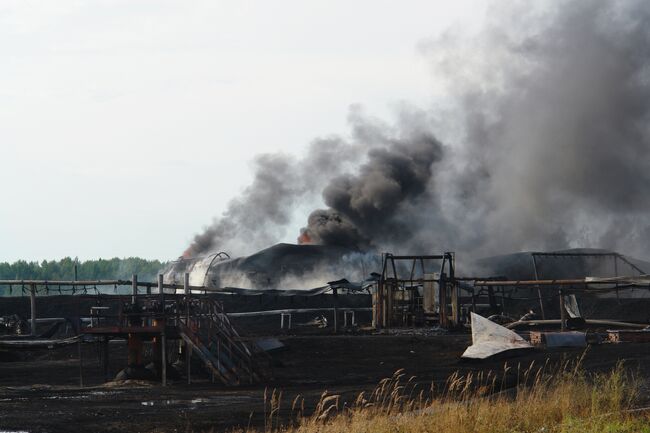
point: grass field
(564, 399)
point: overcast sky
(126, 126)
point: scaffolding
(415, 289)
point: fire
(304, 238)
(187, 253)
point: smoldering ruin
(520, 206)
(541, 147)
(553, 113)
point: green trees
(101, 269)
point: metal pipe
(67, 282)
(542, 282)
(603, 322)
(289, 311)
(434, 257)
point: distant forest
(101, 269)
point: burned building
(281, 266)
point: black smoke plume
(367, 204)
(546, 132)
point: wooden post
(442, 293)
(562, 313)
(473, 300)
(455, 307)
(384, 305)
(134, 289)
(163, 341)
(161, 300)
(336, 323)
(539, 291)
(161, 320)
(493, 301)
(188, 349)
(379, 305)
(134, 342)
(186, 287)
(455, 291)
(389, 313)
(374, 306)
(32, 304)
(381, 295)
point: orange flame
(304, 238)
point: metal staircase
(210, 335)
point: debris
(421, 332)
(269, 344)
(559, 339)
(531, 315)
(571, 306)
(628, 336)
(500, 319)
(589, 322)
(13, 325)
(488, 339)
(318, 321)
(38, 343)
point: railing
(200, 321)
(210, 330)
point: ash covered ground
(39, 390)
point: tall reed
(538, 398)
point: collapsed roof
(288, 266)
(285, 266)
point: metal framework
(398, 301)
(615, 256)
(565, 287)
(200, 322)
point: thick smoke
(555, 105)
(259, 216)
(367, 205)
(250, 218)
(547, 136)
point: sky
(127, 126)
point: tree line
(100, 269)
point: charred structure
(282, 266)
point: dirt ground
(39, 391)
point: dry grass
(563, 400)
